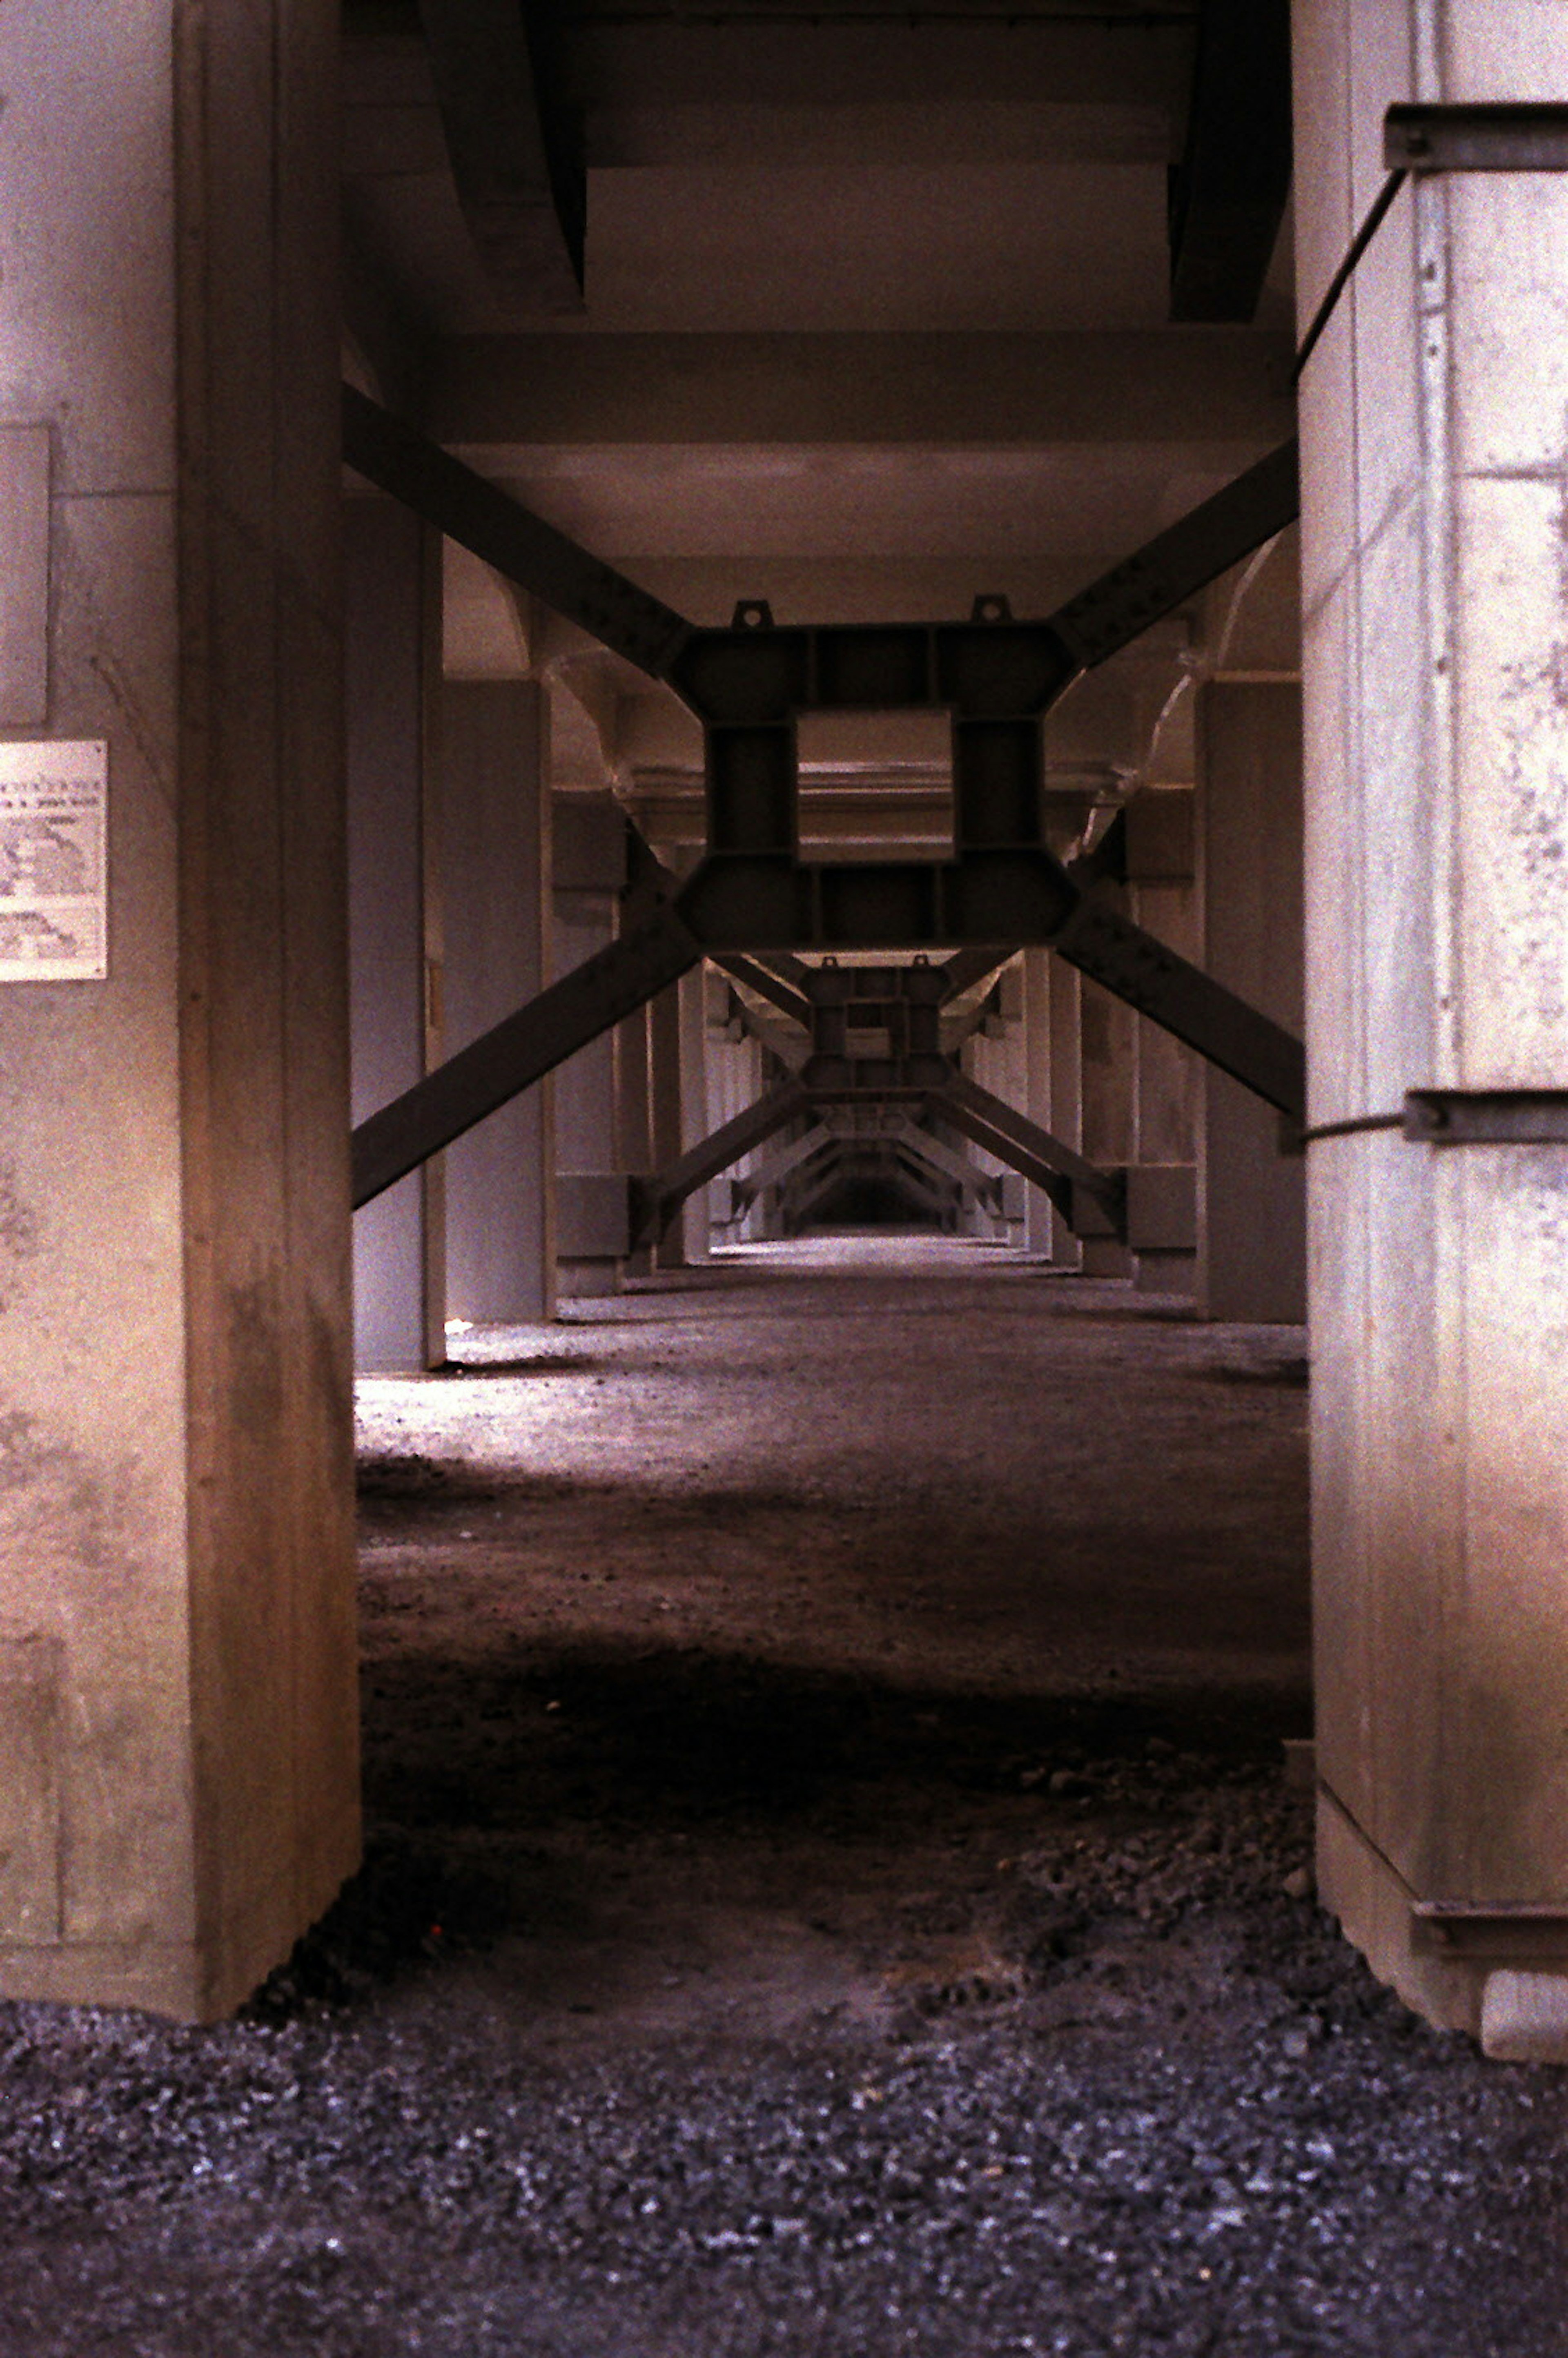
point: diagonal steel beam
(485, 520)
(1055, 1168)
(1183, 1000)
(968, 967)
(777, 1167)
(1169, 569)
(656, 1202)
(915, 1174)
(974, 1181)
(766, 984)
(820, 1184)
(519, 1051)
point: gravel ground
(765, 1948)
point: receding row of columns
(473, 883)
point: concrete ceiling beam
(1229, 192)
(514, 146)
(864, 133)
(496, 397)
(627, 62)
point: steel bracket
(1466, 1928)
(1486, 1117)
(1502, 138)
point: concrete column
(667, 1110)
(179, 1773)
(501, 1250)
(1251, 1197)
(589, 870)
(997, 1056)
(1065, 1054)
(1038, 1099)
(1162, 1196)
(696, 1233)
(734, 1083)
(634, 1115)
(393, 683)
(1108, 1063)
(1435, 481)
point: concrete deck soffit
(495, 397)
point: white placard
(54, 802)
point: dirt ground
(831, 1885)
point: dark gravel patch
(831, 1891)
(1182, 2118)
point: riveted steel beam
(1055, 1168)
(1170, 568)
(519, 1051)
(656, 1202)
(977, 1184)
(1183, 1000)
(406, 464)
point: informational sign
(53, 868)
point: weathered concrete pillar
(734, 1083)
(634, 1115)
(668, 1108)
(696, 1233)
(1251, 1197)
(998, 1055)
(1108, 1065)
(1435, 478)
(178, 1773)
(1162, 1195)
(393, 681)
(589, 869)
(1040, 1215)
(501, 1250)
(1065, 1052)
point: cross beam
(752, 893)
(1055, 1169)
(656, 1202)
(987, 1120)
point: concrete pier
(1435, 478)
(177, 1680)
(499, 1201)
